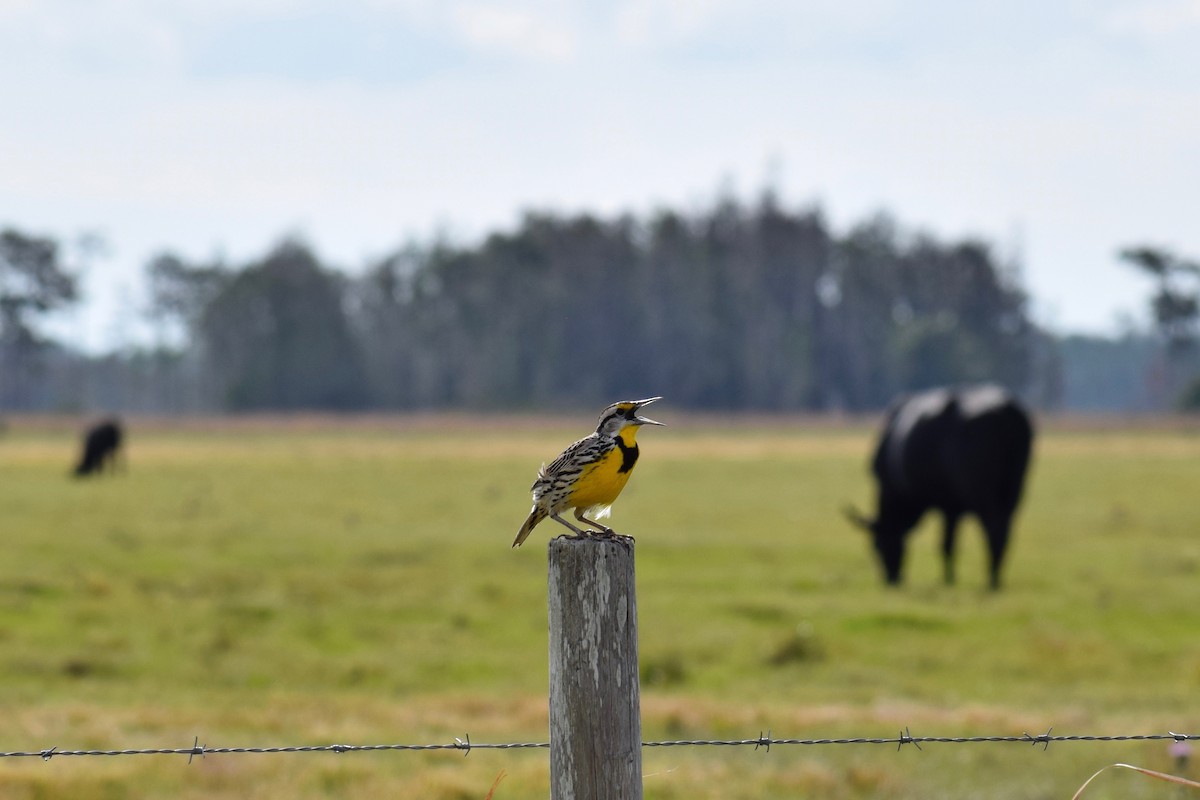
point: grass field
(263, 583)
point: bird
(589, 474)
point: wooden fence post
(595, 708)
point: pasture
(274, 582)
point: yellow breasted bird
(589, 474)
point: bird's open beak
(640, 404)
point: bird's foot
(608, 534)
(603, 535)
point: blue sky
(1058, 130)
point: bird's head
(619, 416)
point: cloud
(94, 37)
(1157, 20)
(10, 8)
(650, 22)
(515, 32)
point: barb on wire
(1044, 739)
(907, 738)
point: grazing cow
(961, 451)
(101, 445)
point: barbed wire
(465, 745)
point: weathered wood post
(595, 707)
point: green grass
(281, 584)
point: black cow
(101, 446)
(961, 451)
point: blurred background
(400, 204)
(217, 217)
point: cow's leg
(996, 526)
(949, 532)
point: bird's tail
(535, 516)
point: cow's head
(888, 541)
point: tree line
(735, 306)
(732, 307)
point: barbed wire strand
(465, 745)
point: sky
(1059, 130)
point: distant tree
(789, 253)
(863, 290)
(908, 313)
(277, 337)
(1175, 305)
(961, 318)
(1176, 300)
(33, 282)
(178, 367)
(1189, 398)
(382, 314)
(180, 292)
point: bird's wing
(570, 461)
